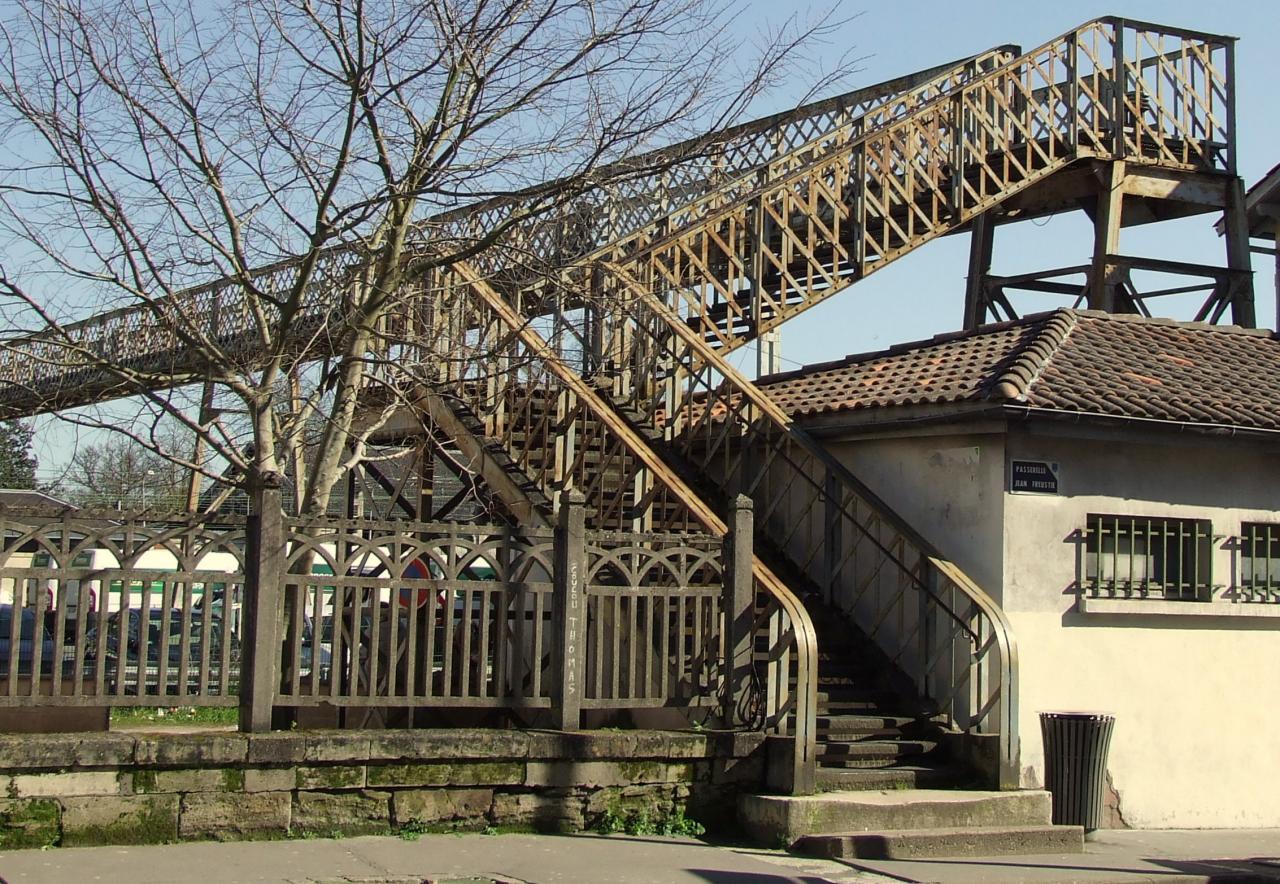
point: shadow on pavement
(714, 876)
(1216, 871)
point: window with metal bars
(1259, 562)
(1149, 558)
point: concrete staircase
(888, 787)
(871, 733)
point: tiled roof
(1068, 360)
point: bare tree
(291, 157)
(118, 472)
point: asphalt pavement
(1120, 856)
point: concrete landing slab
(780, 820)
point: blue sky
(923, 294)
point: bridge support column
(197, 454)
(1275, 233)
(769, 353)
(1105, 277)
(981, 245)
(1235, 230)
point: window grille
(1149, 558)
(1259, 563)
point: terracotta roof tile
(1122, 366)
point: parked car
(30, 631)
(153, 621)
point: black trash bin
(1075, 765)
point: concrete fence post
(739, 609)
(265, 555)
(570, 606)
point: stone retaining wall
(80, 789)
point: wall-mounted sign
(1033, 477)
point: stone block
(667, 744)
(546, 811)
(206, 779)
(747, 772)
(47, 752)
(191, 750)
(131, 819)
(62, 751)
(578, 746)
(658, 771)
(104, 750)
(591, 745)
(270, 779)
(330, 776)
(440, 805)
(448, 743)
(343, 813)
(458, 773)
(29, 823)
(58, 785)
(232, 817)
(654, 801)
(276, 748)
(335, 746)
(594, 774)
(738, 744)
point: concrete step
(871, 753)
(945, 842)
(897, 776)
(860, 723)
(842, 692)
(770, 818)
(870, 728)
(870, 733)
(849, 707)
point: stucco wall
(1190, 693)
(950, 488)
